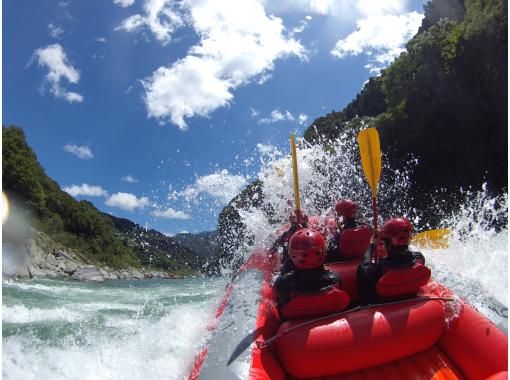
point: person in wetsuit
(396, 233)
(307, 253)
(346, 211)
(281, 244)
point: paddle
(432, 238)
(370, 153)
(296, 179)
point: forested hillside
(444, 101)
(204, 244)
(155, 249)
(118, 243)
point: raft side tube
(265, 365)
(360, 339)
(476, 345)
(229, 351)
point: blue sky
(158, 110)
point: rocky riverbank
(40, 256)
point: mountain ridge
(102, 238)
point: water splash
(148, 330)
(325, 175)
(475, 263)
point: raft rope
(261, 344)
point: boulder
(70, 267)
(89, 273)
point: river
(151, 329)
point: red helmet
(346, 208)
(307, 249)
(398, 230)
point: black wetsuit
(304, 281)
(369, 273)
(283, 242)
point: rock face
(89, 273)
(39, 256)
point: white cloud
(303, 24)
(129, 178)
(55, 59)
(82, 152)
(220, 185)
(101, 39)
(55, 31)
(191, 87)
(277, 115)
(160, 16)
(371, 7)
(124, 3)
(342, 9)
(383, 27)
(265, 148)
(85, 189)
(126, 201)
(381, 37)
(238, 44)
(170, 213)
(302, 118)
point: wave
(21, 314)
(150, 350)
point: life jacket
(353, 242)
(403, 281)
(316, 304)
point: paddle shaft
(296, 178)
(374, 210)
(373, 180)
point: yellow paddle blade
(370, 152)
(297, 204)
(432, 238)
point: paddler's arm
(369, 254)
(371, 248)
(418, 256)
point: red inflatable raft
(432, 336)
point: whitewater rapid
(152, 329)
(148, 329)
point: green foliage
(325, 128)
(436, 10)
(444, 100)
(447, 98)
(156, 250)
(370, 102)
(20, 172)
